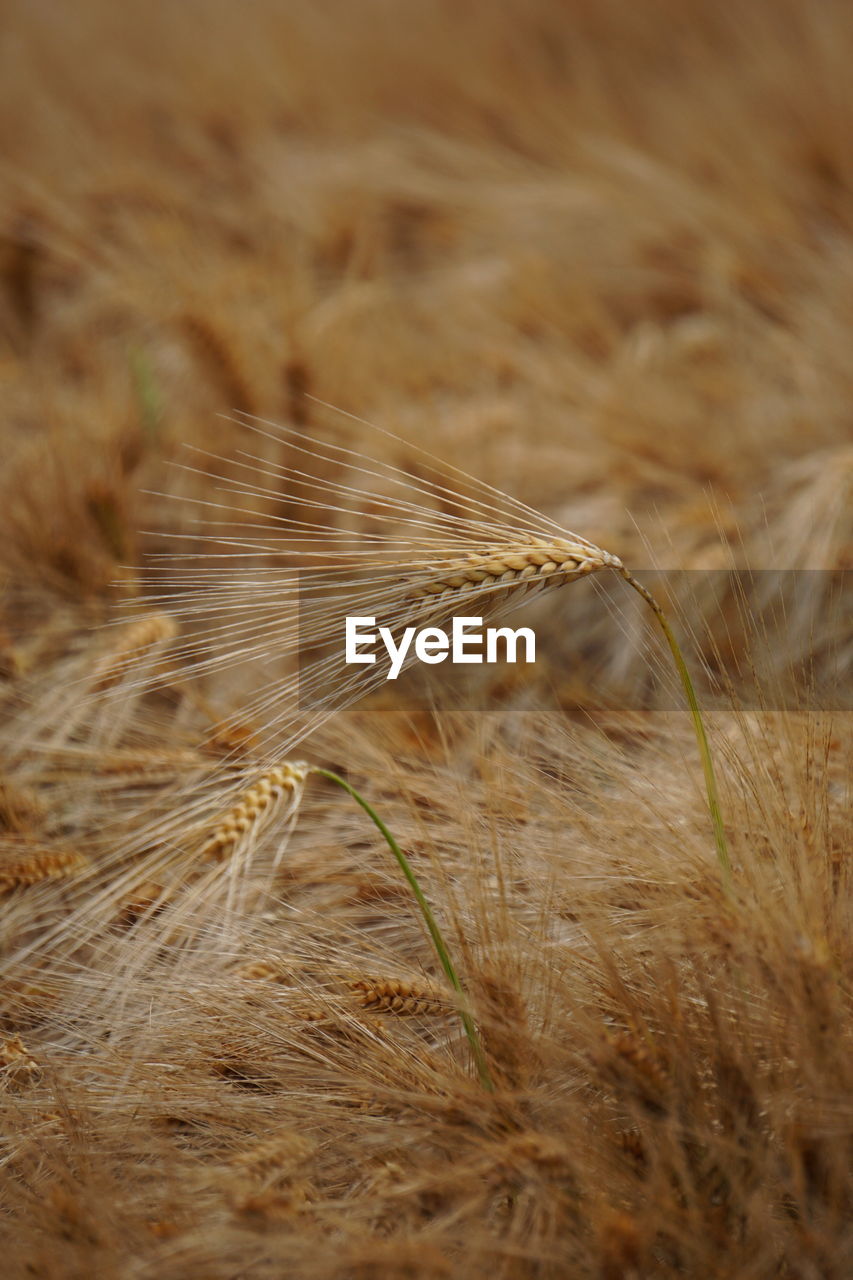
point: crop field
(327, 320)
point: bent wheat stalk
(698, 724)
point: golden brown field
(600, 257)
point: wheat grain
(255, 807)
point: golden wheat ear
(279, 786)
(535, 563)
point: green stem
(698, 725)
(431, 923)
(145, 387)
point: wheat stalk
(429, 919)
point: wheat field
(402, 294)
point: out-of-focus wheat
(24, 864)
(134, 641)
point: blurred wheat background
(600, 256)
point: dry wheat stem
(698, 725)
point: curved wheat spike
(255, 808)
(536, 563)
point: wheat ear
(399, 996)
(39, 864)
(133, 642)
(537, 562)
(273, 1159)
(17, 1065)
(258, 804)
